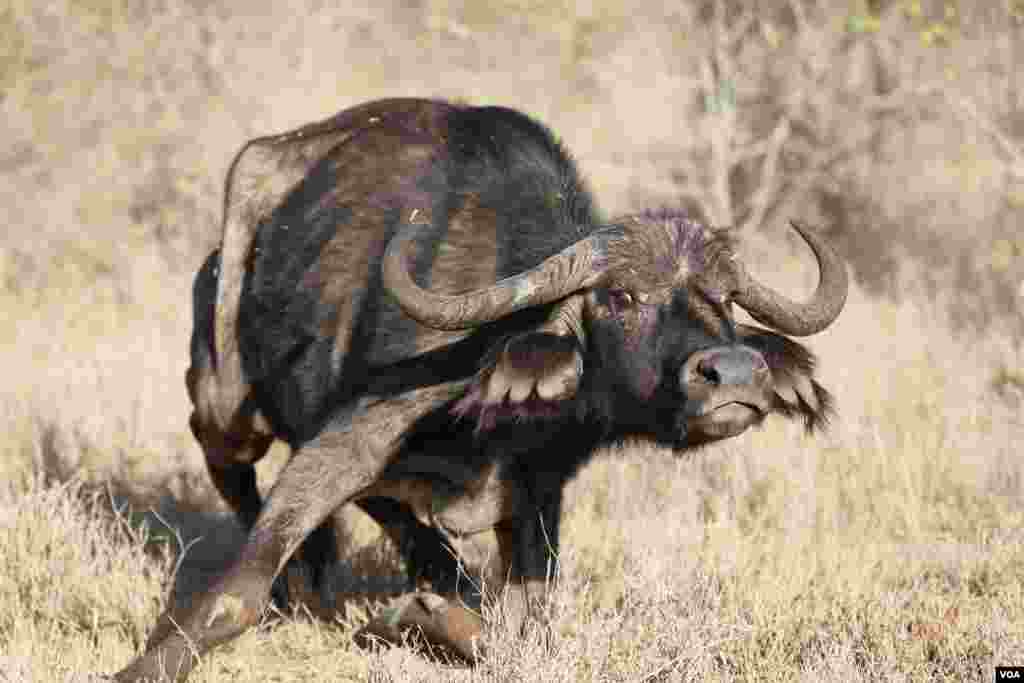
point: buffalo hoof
(427, 619)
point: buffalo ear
(534, 375)
(797, 394)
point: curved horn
(796, 319)
(574, 268)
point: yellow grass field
(891, 548)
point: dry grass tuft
(78, 587)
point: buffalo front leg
(430, 562)
(528, 548)
(322, 475)
(231, 465)
(442, 621)
(517, 582)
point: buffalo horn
(789, 317)
(575, 267)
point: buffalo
(422, 299)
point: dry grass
(889, 549)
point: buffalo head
(648, 302)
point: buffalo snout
(727, 388)
(725, 366)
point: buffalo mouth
(725, 420)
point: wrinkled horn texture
(789, 317)
(576, 267)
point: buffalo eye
(619, 300)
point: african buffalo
(422, 299)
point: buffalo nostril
(707, 371)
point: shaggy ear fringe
(793, 367)
(489, 415)
(816, 419)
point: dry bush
(887, 549)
